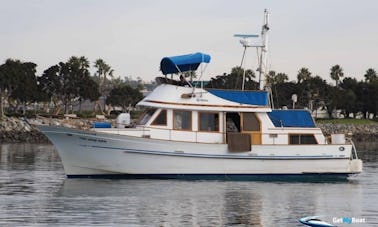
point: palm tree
(271, 77)
(370, 75)
(103, 72)
(82, 62)
(336, 73)
(303, 74)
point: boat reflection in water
(212, 203)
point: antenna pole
(263, 66)
(241, 67)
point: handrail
(354, 150)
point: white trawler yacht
(195, 133)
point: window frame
(255, 118)
(144, 114)
(199, 121)
(174, 119)
(158, 115)
(300, 138)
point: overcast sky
(133, 36)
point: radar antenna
(261, 49)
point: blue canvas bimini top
(183, 63)
(259, 98)
(291, 118)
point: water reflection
(33, 189)
(217, 203)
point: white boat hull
(90, 154)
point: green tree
(312, 92)
(372, 99)
(336, 73)
(86, 87)
(17, 82)
(124, 96)
(233, 80)
(303, 74)
(68, 81)
(281, 78)
(273, 78)
(350, 102)
(283, 92)
(102, 76)
(25, 89)
(370, 75)
(51, 84)
(332, 99)
(9, 72)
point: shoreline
(17, 130)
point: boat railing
(354, 150)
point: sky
(132, 36)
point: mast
(262, 51)
(263, 66)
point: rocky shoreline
(365, 136)
(18, 130)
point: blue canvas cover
(291, 118)
(183, 63)
(259, 98)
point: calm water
(35, 192)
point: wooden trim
(253, 134)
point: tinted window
(250, 122)
(302, 139)
(161, 119)
(308, 139)
(146, 116)
(182, 120)
(294, 139)
(208, 121)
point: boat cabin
(218, 116)
(178, 111)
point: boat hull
(93, 154)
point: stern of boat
(355, 166)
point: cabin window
(209, 122)
(250, 122)
(146, 116)
(302, 139)
(182, 120)
(161, 119)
